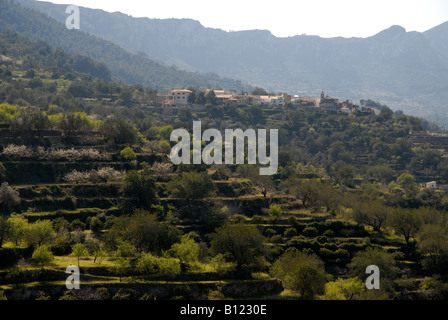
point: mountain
(406, 70)
(130, 67)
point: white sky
(326, 18)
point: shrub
(329, 233)
(321, 239)
(128, 153)
(220, 264)
(125, 294)
(290, 232)
(270, 232)
(149, 264)
(326, 254)
(187, 251)
(68, 295)
(257, 219)
(342, 254)
(277, 239)
(344, 289)
(8, 197)
(310, 232)
(43, 256)
(275, 210)
(103, 293)
(301, 271)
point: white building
(430, 185)
(277, 101)
(180, 97)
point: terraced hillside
(87, 180)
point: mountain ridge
(406, 70)
(130, 67)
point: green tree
(432, 243)
(29, 118)
(210, 98)
(371, 213)
(187, 251)
(99, 255)
(345, 174)
(119, 132)
(306, 190)
(80, 89)
(406, 222)
(39, 233)
(9, 197)
(79, 250)
(435, 288)
(275, 211)
(259, 92)
(373, 256)
(123, 257)
(344, 289)
(18, 225)
(73, 122)
(128, 153)
(301, 271)
(144, 232)
(406, 180)
(139, 190)
(384, 261)
(5, 229)
(42, 255)
(265, 183)
(148, 264)
(241, 244)
(200, 98)
(192, 186)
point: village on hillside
(182, 97)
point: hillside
(86, 180)
(132, 68)
(405, 70)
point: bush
(103, 293)
(329, 233)
(301, 271)
(326, 254)
(128, 153)
(9, 197)
(270, 232)
(125, 294)
(321, 239)
(277, 239)
(257, 219)
(290, 232)
(310, 232)
(292, 221)
(150, 265)
(342, 254)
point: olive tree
(301, 271)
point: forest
(86, 180)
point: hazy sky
(326, 18)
